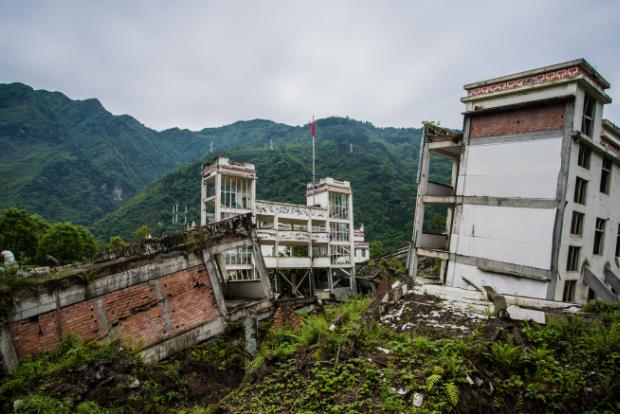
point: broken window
(572, 263)
(569, 291)
(319, 251)
(599, 236)
(338, 206)
(587, 121)
(284, 251)
(267, 250)
(238, 256)
(583, 160)
(339, 231)
(576, 225)
(606, 175)
(340, 255)
(581, 191)
(300, 250)
(241, 274)
(236, 192)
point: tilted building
(307, 249)
(533, 204)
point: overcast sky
(196, 64)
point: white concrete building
(362, 248)
(534, 200)
(307, 249)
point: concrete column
(7, 349)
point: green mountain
(380, 163)
(73, 160)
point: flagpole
(313, 153)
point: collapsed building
(533, 199)
(309, 250)
(159, 295)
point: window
(339, 231)
(241, 274)
(599, 236)
(319, 251)
(581, 190)
(299, 250)
(236, 192)
(606, 175)
(576, 225)
(573, 258)
(341, 255)
(587, 121)
(318, 227)
(238, 256)
(210, 189)
(339, 206)
(569, 291)
(618, 242)
(584, 156)
(267, 250)
(284, 251)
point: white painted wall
(526, 169)
(503, 284)
(508, 234)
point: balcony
(433, 245)
(436, 193)
(288, 262)
(320, 237)
(320, 262)
(293, 235)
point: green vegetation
(103, 377)
(20, 233)
(569, 365)
(342, 360)
(73, 160)
(381, 170)
(32, 239)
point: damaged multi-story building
(308, 249)
(533, 203)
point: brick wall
(517, 121)
(139, 315)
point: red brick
(518, 121)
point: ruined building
(159, 295)
(308, 249)
(533, 204)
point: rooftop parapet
(226, 166)
(571, 71)
(328, 184)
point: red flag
(313, 127)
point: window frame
(568, 293)
(584, 156)
(588, 115)
(606, 169)
(598, 247)
(577, 221)
(572, 260)
(581, 191)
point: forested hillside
(380, 163)
(73, 160)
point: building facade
(362, 248)
(307, 249)
(533, 204)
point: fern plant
(432, 380)
(452, 391)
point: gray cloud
(198, 64)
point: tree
(143, 232)
(376, 248)
(67, 243)
(116, 243)
(20, 233)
